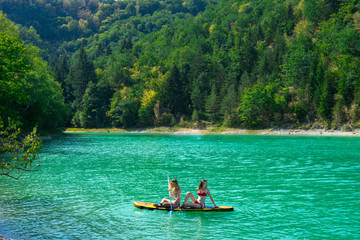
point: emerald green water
(280, 188)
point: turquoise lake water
(281, 187)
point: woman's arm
(208, 192)
(179, 195)
(171, 193)
(176, 197)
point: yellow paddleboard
(151, 206)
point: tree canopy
(29, 98)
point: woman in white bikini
(176, 194)
(202, 192)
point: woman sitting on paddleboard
(203, 191)
(176, 194)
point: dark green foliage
(175, 97)
(124, 109)
(298, 62)
(356, 82)
(326, 100)
(212, 104)
(230, 102)
(81, 74)
(330, 7)
(243, 57)
(196, 96)
(312, 10)
(94, 105)
(61, 76)
(99, 51)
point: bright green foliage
(18, 154)
(28, 92)
(29, 97)
(46, 103)
(257, 105)
(14, 69)
(146, 111)
(124, 108)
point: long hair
(174, 183)
(201, 185)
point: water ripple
(280, 187)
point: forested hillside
(194, 63)
(28, 94)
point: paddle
(170, 195)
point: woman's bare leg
(166, 205)
(191, 205)
(165, 201)
(192, 198)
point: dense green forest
(191, 63)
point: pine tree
(196, 96)
(61, 75)
(62, 70)
(212, 104)
(174, 92)
(355, 106)
(229, 102)
(330, 7)
(81, 74)
(279, 50)
(311, 10)
(108, 51)
(290, 22)
(325, 106)
(339, 109)
(244, 57)
(89, 105)
(99, 50)
(357, 90)
(245, 82)
(319, 76)
(195, 116)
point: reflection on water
(280, 187)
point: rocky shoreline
(224, 131)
